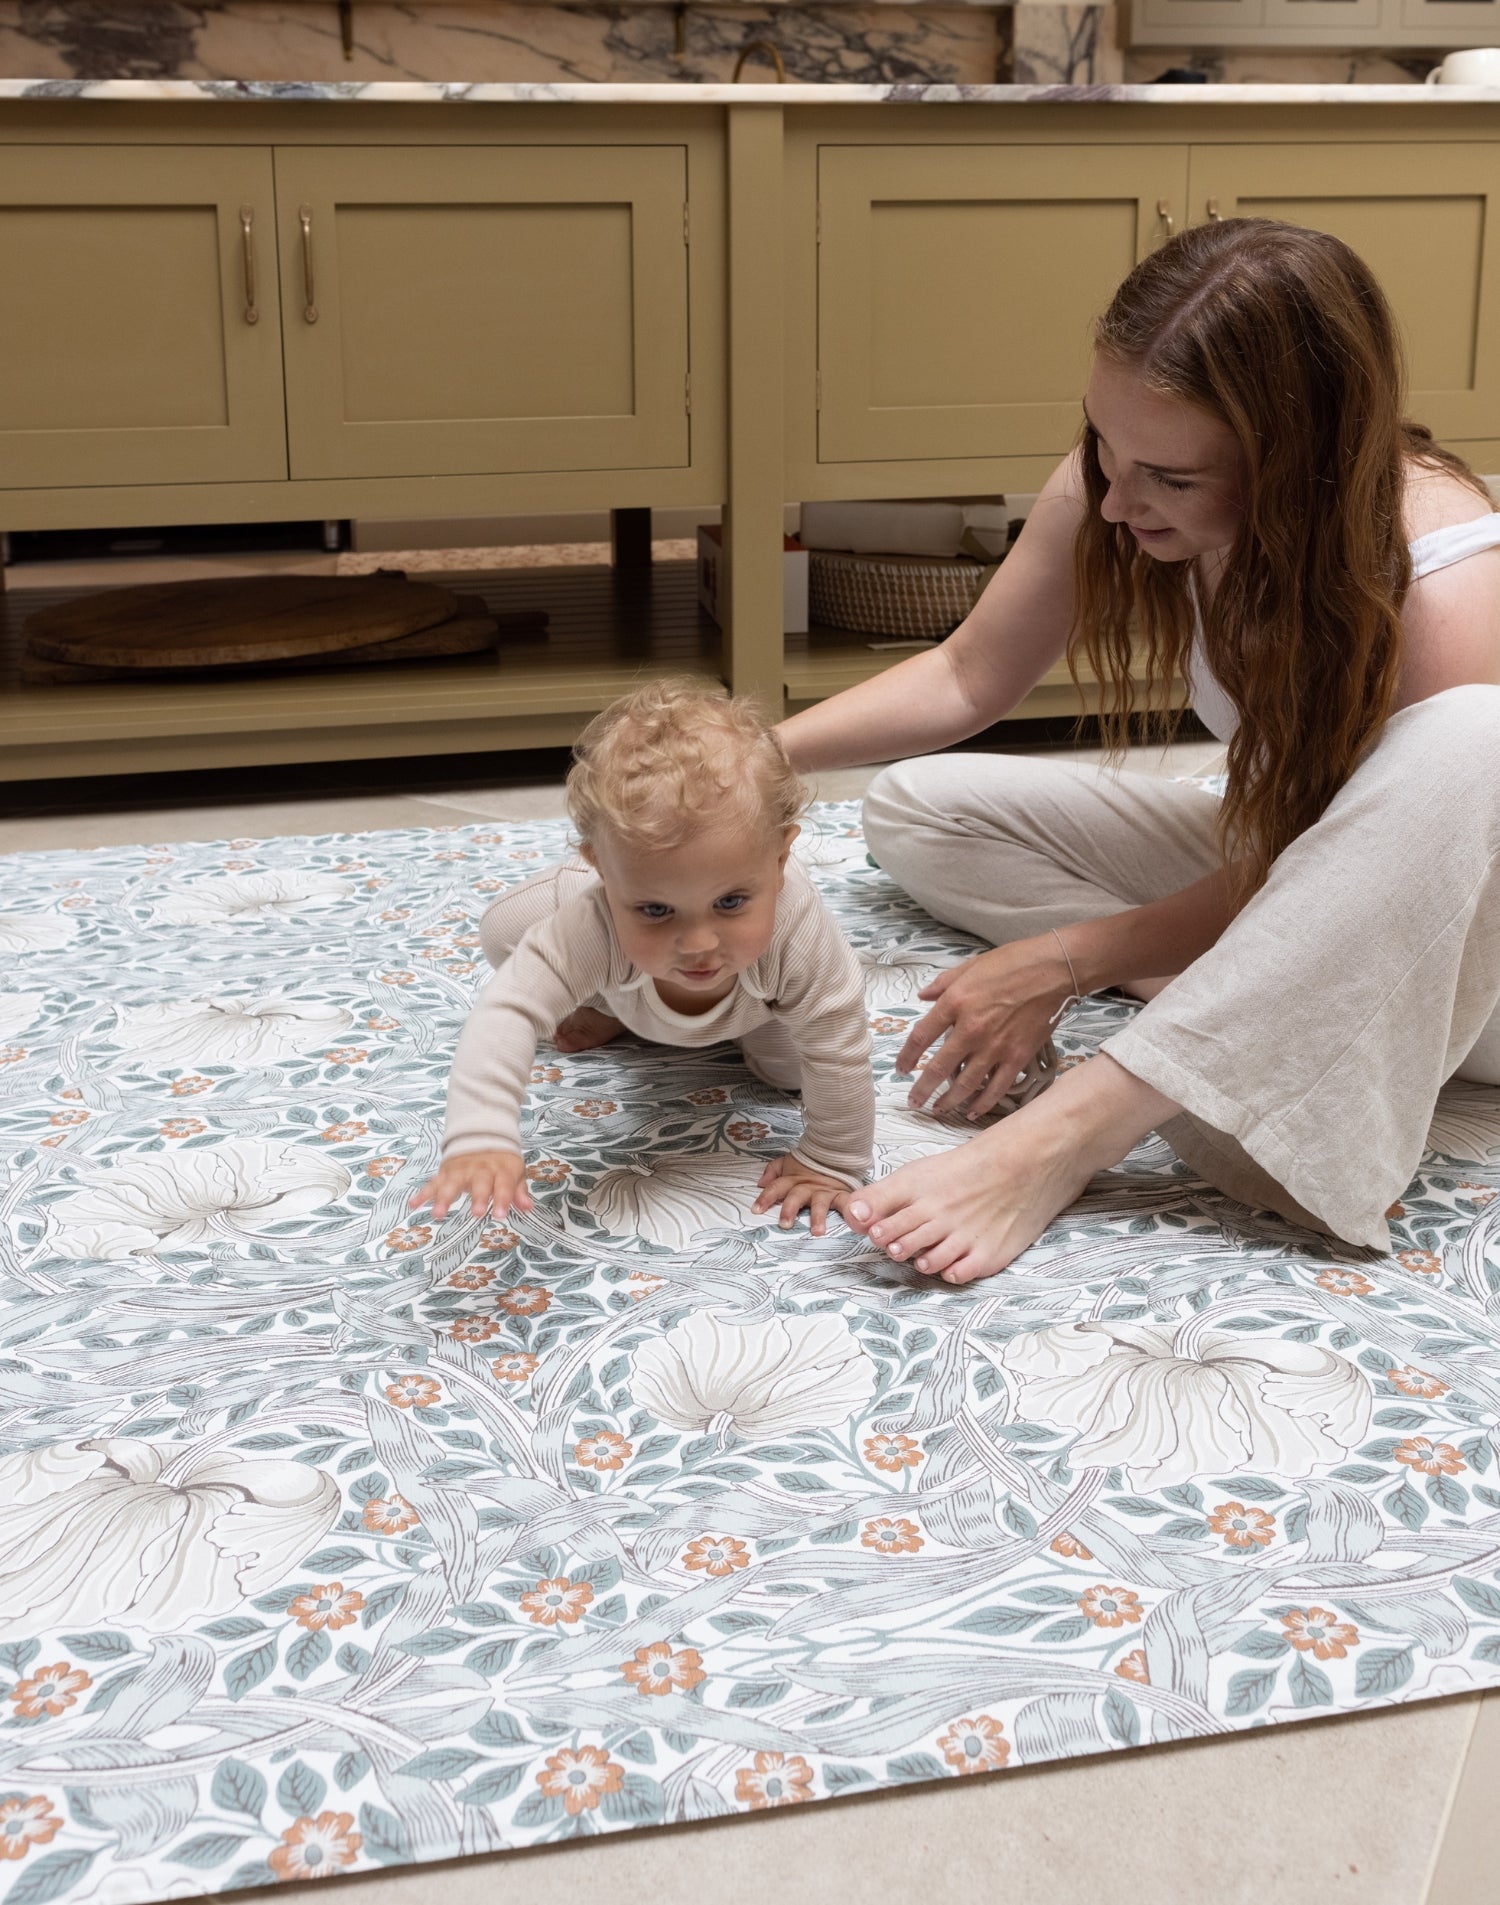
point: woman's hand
(794, 1185)
(492, 1181)
(994, 1013)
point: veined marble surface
(525, 92)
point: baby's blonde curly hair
(672, 757)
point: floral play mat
(338, 1539)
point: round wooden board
(234, 619)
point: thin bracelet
(1075, 997)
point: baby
(688, 924)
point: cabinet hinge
(686, 225)
(687, 393)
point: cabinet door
(1418, 216)
(127, 338)
(1452, 22)
(1166, 22)
(957, 288)
(477, 310)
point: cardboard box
(793, 578)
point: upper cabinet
(480, 310)
(1418, 215)
(139, 319)
(957, 285)
(1421, 23)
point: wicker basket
(913, 596)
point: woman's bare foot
(582, 1030)
(971, 1211)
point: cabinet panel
(129, 351)
(1453, 22)
(957, 286)
(483, 310)
(1417, 214)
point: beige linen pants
(1308, 1045)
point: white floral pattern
(340, 1538)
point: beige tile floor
(1391, 1808)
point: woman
(1320, 950)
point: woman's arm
(1015, 632)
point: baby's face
(695, 914)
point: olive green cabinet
(957, 285)
(475, 310)
(139, 320)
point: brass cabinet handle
(1164, 213)
(247, 222)
(1213, 211)
(309, 309)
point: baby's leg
(525, 906)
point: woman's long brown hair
(1285, 336)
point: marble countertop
(525, 92)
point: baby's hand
(493, 1180)
(794, 1185)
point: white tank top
(1438, 550)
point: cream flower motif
(149, 1535)
(1168, 1405)
(210, 1031)
(34, 932)
(763, 1379)
(669, 1201)
(176, 1200)
(18, 1010)
(239, 897)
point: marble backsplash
(1033, 42)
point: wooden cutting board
(234, 619)
(473, 630)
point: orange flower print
(516, 1367)
(594, 1107)
(346, 1055)
(975, 1746)
(182, 1127)
(489, 885)
(402, 978)
(775, 1779)
(716, 1555)
(25, 1823)
(546, 1074)
(454, 853)
(1480, 1194)
(1068, 1544)
(393, 913)
(77, 899)
(892, 1452)
(1344, 1283)
(1242, 1527)
(548, 1171)
(1132, 1666)
(1429, 1458)
(473, 1276)
(710, 1095)
(413, 1392)
(746, 1130)
(383, 1167)
(561, 1600)
(74, 1117)
(344, 1133)
(381, 1022)
(1416, 1382)
(191, 1085)
(316, 1848)
(12, 1054)
(580, 1778)
(1425, 1263)
(656, 1669)
(409, 1236)
(603, 1451)
(332, 1606)
(526, 1299)
(71, 1091)
(50, 1690)
(1398, 1209)
(498, 1237)
(891, 1537)
(640, 1284)
(473, 1329)
(1110, 1607)
(390, 1515)
(885, 1024)
(1315, 1631)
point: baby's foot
(582, 1030)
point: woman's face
(1176, 475)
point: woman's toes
(922, 1238)
(948, 1250)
